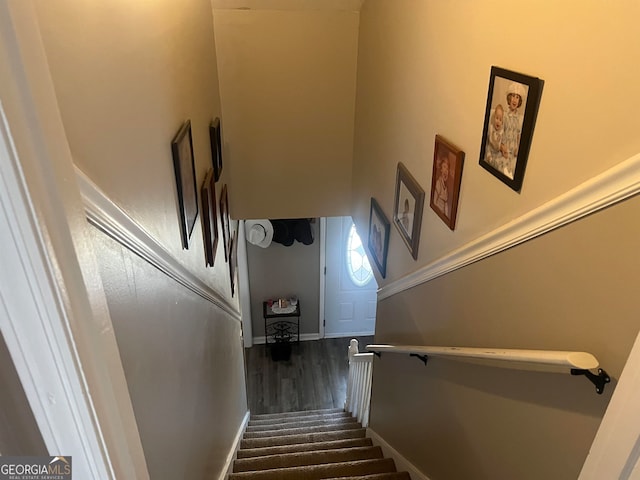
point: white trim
(612, 186)
(34, 326)
(112, 220)
(304, 337)
(323, 269)
(350, 334)
(233, 451)
(244, 287)
(402, 464)
(614, 452)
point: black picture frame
(185, 171)
(407, 210)
(215, 137)
(233, 262)
(448, 161)
(378, 242)
(225, 222)
(505, 145)
(209, 218)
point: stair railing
(576, 363)
(359, 383)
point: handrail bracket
(599, 380)
(424, 358)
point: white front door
(350, 287)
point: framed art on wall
(445, 181)
(225, 223)
(185, 171)
(215, 137)
(378, 242)
(233, 262)
(209, 218)
(510, 116)
(407, 210)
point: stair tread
(303, 430)
(299, 413)
(317, 472)
(294, 419)
(377, 476)
(304, 447)
(316, 457)
(302, 438)
(301, 424)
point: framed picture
(225, 224)
(215, 138)
(209, 218)
(378, 236)
(445, 181)
(233, 262)
(512, 108)
(184, 165)
(407, 212)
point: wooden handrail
(578, 363)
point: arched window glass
(358, 264)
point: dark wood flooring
(314, 377)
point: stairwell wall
(126, 76)
(423, 69)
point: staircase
(317, 444)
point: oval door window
(358, 264)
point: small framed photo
(378, 236)
(215, 137)
(225, 223)
(445, 181)
(209, 218)
(509, 119)
(185, 170)
(407, 212)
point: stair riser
(304, 447)
(294, 439)
(317, 472)
(307, 458)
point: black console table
(281, 327)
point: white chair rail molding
(576, 363)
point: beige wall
(572, 289)
(423, 70)
(287, 82)
(279, 271)
(127, 74)
(183, 360)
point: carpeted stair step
(302, 438)
(317, 472)
(303, 430)
(302, 413)
(301, 424)
(304, 447)
(295, 419)
(300, 459)
(377, 476)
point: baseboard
(233, 452)
(304, 337)
(402, 464)
(349, 334)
